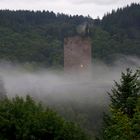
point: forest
(26, 118)
(37, 36)
(30, 40)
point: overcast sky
(93, 8)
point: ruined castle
(77, 54)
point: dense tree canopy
(118, 33)
(23, 119)
(124, 96)
(123, 122)
(2, 89)
(35, 36)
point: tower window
(81, 65)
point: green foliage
(37, 37)
(28, 36)
(125, 94)
(23, 119)
(135, 124)
(119, 127)
(2, 89)
(124, 118)
(117, 33)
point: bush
(23, 119)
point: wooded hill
(37, 36)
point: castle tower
(77, 54)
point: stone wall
(77, 54)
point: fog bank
(57, 86)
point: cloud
(98, 2)
(86, 93)
(94, 8)
(44, 2)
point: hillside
(28, 36)
(37, 37)
(120, 33)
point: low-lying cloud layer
(60, 86)
(81, 98)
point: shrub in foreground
(23, 119)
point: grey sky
(93, 8)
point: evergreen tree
(125, 94)
(2, 89)
(135, 124)
(123, 120)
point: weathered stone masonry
(77, 54)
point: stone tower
(77, 54)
